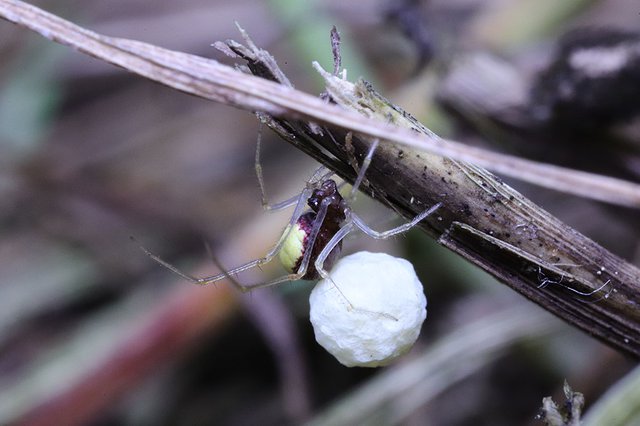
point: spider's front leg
(394, 231)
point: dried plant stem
(483, 220)
(209, 79)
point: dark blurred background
(94, 332)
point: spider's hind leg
(203, 281)
(300, 205)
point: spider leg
(257, 262)
(363, 169)
(280, 205)
(319, 265)
(319, 262)
(263, 192)
(398, 230)
(313, 235)
(227, 274)
(245, 288)
(165, 263)
(333, 242)
(319, 175)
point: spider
(312, 241)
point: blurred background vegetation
(93, 332)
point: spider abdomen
(294, 245)
(297, 242)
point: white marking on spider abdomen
(293, 248)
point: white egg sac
(370, 311)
